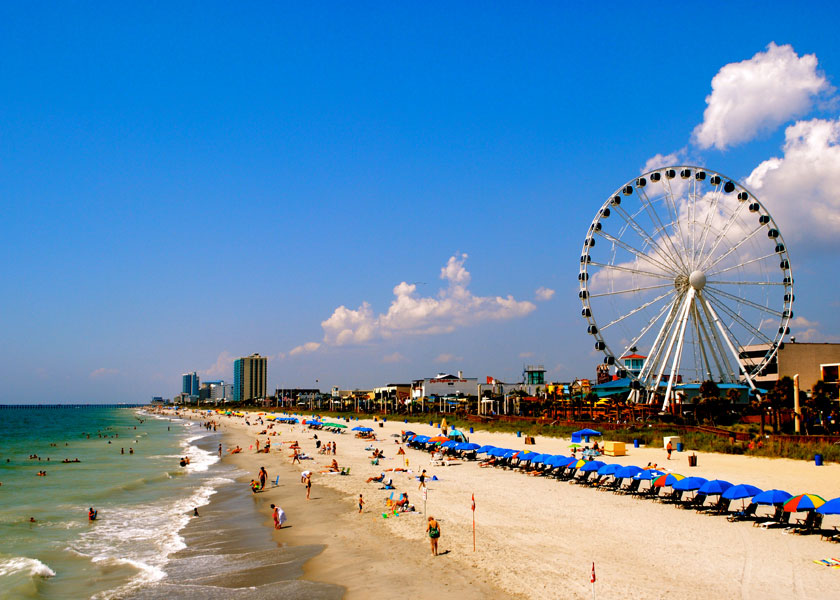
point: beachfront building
(811, 361)
(391, 396)
(250, 374)
(189, 384)
(444, 384)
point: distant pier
(53, 406)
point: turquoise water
(144, 499)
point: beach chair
(345, 470)
(649, 493)
(718, 508)
(810, 524)
(582, 479)
(696, 502)
(830, 535)
(780, 519)
(743, 515)
(630, 489)
(609, 486)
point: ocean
(146, 542)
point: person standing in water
(279, 516)
(92, 514)
(220, 451)
(308, 484)
(263, 475)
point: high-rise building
(189, 384)
(250, 374)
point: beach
(535, 537)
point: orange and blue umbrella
(668, 479)
(803, 502)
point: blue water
(144, 498)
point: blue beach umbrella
(356, 429)
(772, 497)
(554, 460)
(592, 465)
(484, 449)
(741, 491)
(609, 469)
(689, 483)
(832, 507)
(449, 444)
(467, 446)
(628, 471)
(715, 487)
(648, 475)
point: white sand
(538, 537)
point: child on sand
(279, 516)
(361, 503)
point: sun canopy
(592, 465)
(740, 491)
(689, 483)
(832, 507)
(772, 497)
(576, 436)
(628, 471)
(803, 502)
(715, 487)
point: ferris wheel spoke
(699, 332)
(644, 234)
(642, 307)
(736, 317)
(677, 222)
(632, 290)
(725, 230)
(717, 292)
(648, 327)
(717, 261)
(708, 222)
(778, 283)
(635, 251)
(728, 336)
(743, 264)
(631, 270)
(676, 256)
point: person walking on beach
(433, 529)
(296, 457)
(279, 516)
(263, 475)
(669, 448)
(422, 479)
(220, 451)
(308, 484)
(361, 503)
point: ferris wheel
(687, 268)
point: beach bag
(434, 532)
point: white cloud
(544, 293)
(526, 354)
(223, 367)
(447, 358)
(805, 330)
(758, 95)
(664, 160)
(800, 188)
(396, 357)
(103, 372)
(410, 314)
(306, 348)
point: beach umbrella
(467, 446)
(832, 507)
(689, 483)
(576, 463)
(715, 487)
(367, 429)
(438, 438)
(484, 449)
(667, 479)
(574, 445)
(587, 432)
(803, 502)
(647, 475)
(449, 444)
(609, 469)
(592, 465)
(357, 428)
(628, 471)
(772, 497)
(554, 460)
(741, 491)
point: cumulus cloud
(223, 367)
(544, 293)
(306, 348)
(758, 95)
(664, 160)
(396, 357)
(447, 358)
(805, 330)
(800, 188)
(412, 314)
(103, 372)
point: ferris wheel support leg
(729, 343)
(681, 337)
(673, 338)
(649, 366)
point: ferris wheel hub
(697, 279)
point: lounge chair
(582, 479)
(743, 515)
(696, 502)
(345, 470)
(810, 524)
(609, 486)
(830, 535)
(780, 519)
(720, 507)
(630, 489)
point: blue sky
(179, 186)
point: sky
(373, 192)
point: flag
(473, 504)
(593, 574)
(491, 380)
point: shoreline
(537, 537)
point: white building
(444, 384)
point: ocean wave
(23, 564)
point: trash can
(692, 460)
(518, 434)
(381, 424)
(679, 446)
(635, 443)
(818, 460)
(405, 421)
(471, 430)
